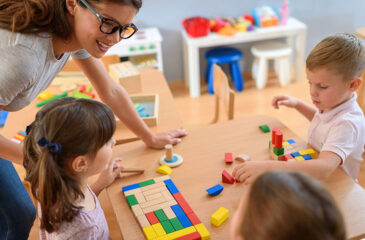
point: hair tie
(55, 148)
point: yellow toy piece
(203, 231)
(159, 229)
(149, 232)
(311, 152)
(182, 232)
(300, 158)
(219, 216)
(163, 169)
(227, 31)
(45, 95)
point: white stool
(263, 52)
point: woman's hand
(169, 137)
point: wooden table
(294, 32)
(152, 82)
(203, 152)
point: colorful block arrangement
(19, 137)
(162, 212)
(286, 150)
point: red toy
(196, 26)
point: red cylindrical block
(278, 139)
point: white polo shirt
(341, 131)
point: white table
(295, 33)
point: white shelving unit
(143, 49)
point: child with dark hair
(287, 206)
(70, 141)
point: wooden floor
(200, 111)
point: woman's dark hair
(291, 205)
(36, 16)
(81, 127)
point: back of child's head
(62, 130)
(343, 53)
(290, 205)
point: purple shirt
(89, 225)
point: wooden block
(126, 75)
(137, 210)
(219, 216)
(143, 221)
(167, 195)
(158, 229)
(133, 191)
(154, 190)
(182, 202)
(227, 178)
(190, 236)
(161, 179)
(228, 157)
(149, 233)
(182, 232)
(300, 158)
(140, 198)
(242, 157)
(215, 190)
(154, 196)
(303, 152)
(193, 218)
(203, 231)
(151, 217)
(153, 202)
(152, 186)
(163, 169)
(169, 213)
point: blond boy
(337, 128)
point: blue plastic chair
(221, 55)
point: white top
(341, 131)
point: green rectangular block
(167, 227)
(264, 128)
(161, 215)
(278, 151)
(146, 183)
(131, 199)
(176, 224)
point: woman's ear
(71, 6)
(79, 164)
(355, 84)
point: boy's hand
(108, 176)
(247, 172)
(284, 100)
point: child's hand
(248, 171)
(108, 176)
(284, 100)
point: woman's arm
(116, 97)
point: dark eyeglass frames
(109, 26)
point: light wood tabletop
(153, 82)
(203, 153)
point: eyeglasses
(109, 26)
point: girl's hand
(247, 172)
(284, 100)
(108, 176)
(169, 137)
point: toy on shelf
(265, 16)
(162, 212)
(219, 216)
(62, 95)
(287, 150)
(171, 159)
(45, 95)
(284, 13)
(126, 75)
(196, 26)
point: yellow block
(311, 152)
(285, 144)
(203, 231)
(46, 94)
(219, 216)
(303, 152)
(149, 232)
(164, 170)
(20, 136)
(300, 158)
(182, 232)
(159, 229)
(164, 237)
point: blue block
(290, 141)
(307, 157)
(177, 210)
(3, 117)
(184, 220)
(214, 191)
(130, 187)
(296, 154)
(171, 186)
(140, 109)
(22, 132)
(143, 114)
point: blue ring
(174, 159)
